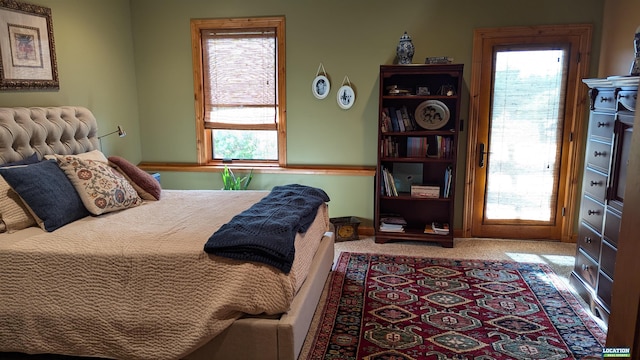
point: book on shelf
(388, 183)
(429, 230)
(406, 119)
(385, 121)
(384, 182)
(417, 146)
(397, 119)
(437, 228)
(412, 118)
(392, 181)
(394, 119)
(401, 125)
(440, 228)
(391, 222)
(391, 227)
(443, 146)
(448, 176)
(392, 219)
(389, 147)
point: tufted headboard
(64, 130)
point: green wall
(94, 50)
(130, 62)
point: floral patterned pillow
(101, 188)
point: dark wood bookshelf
(418, 212)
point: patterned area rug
(402, 308)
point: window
(239, 90)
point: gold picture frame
(27, 48)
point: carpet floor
(507, 303)
(557, 255)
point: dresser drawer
(605, 285)
(586, 269)
(627, 98)
(595, 184)
(592, 213)
(601, 126)
(604, 100)
(612, 227)
(598, 155)
(608, 258)
(600, 311)
(589, 240)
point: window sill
(295, 169)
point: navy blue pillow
(29, 160)
(45, 188)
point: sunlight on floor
(560, 259)
(555, 261)
(546, 259)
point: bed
(135, 282)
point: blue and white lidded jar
(405, 49)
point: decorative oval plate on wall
(346, 97)
(320, 87)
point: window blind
(526, 134)
(240, 78)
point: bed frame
(279, 338)
(73, 130)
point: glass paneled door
(524, 116)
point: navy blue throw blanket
(266, 231)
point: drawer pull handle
(602, 124)
(593, 212)
(599, 153)
(587, 240)
(585, 267)
(605, 99)
(634, 96)
(596, 183)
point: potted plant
(233, 182)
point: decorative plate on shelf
(432, 114)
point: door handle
(482, 153)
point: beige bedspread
(137, 284)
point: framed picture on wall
(27, 50)
(346, 97)
(320, 87)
